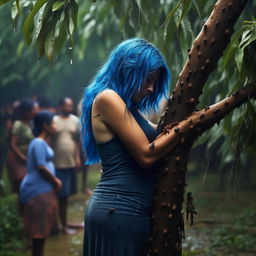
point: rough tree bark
(181, 119)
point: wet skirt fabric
(112, 229)
(40, 216)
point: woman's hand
(14, 147)
(23, 159)
(57, 184)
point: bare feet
(76, 225)
(69, 231)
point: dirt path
(215, 213)
(69, 245)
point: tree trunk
(180, 118)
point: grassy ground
(224, 225)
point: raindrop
(70, 47)
(14, 29)
(71, 61)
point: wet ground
(67, 245)
(216, 212)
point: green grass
(226, 222)
(93, 176)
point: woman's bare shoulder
(108, 97)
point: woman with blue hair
(115, 132)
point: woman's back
(34, 183)
(124, 197)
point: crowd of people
(43, 158)
(114, 132)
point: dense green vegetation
(12, 241)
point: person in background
(20, 137)
(66, 145)
(39, 186)
(45, 104)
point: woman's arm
(47, 174)
(13, 144)
(113, 113)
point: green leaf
(29, 22)
(74, 12)
(12, 78)
(26, 3)
(15, 11)
(71, 25)
(49, 44)
(61, 37)
(139, 4)
(197, 8)
(58, 5)
(239, 59)
(171, 13)
(18, 4)
(3, 2)
(245, 37)
(230, 53)
(185, 9)
(44, 28)
(38, 19)
(20, 48)
(249, 40)
(50, 39)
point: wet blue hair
(41, 118)
(124, 72)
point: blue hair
(124, 72)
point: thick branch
(203, 57)
(200, 121)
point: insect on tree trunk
(181, 119)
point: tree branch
(200, 121)
(203, 57)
